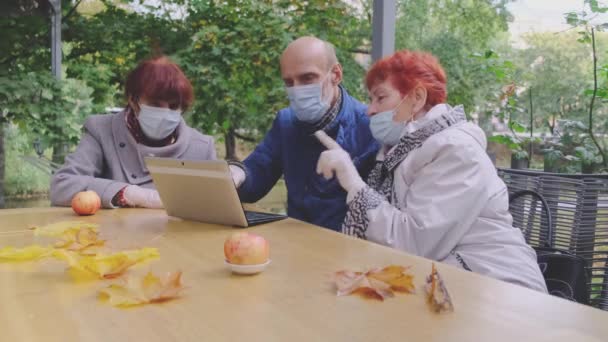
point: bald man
(317, 101)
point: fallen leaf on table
(376, 283)
(143, 290)
(438, 297)
(29, 253)
(79, 240)
(104, 266)
(59, 228)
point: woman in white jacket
(434, 192)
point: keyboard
(256, 217)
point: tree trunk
(2, 158)
(230, 141)
(59, 153)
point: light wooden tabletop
(293, 300)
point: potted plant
(520, 147)
(552, 157)
(571, 149)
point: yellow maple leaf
(143, 290)
(60, 228)
(375, 283)
(29, 253)
(79, 240)
(104, 266)
(396, 277)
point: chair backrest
(564, 197)
(531, 214)
(592, 238)
(579, 219)
(566, 275)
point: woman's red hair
(160, 79)
(405, 69)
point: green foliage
(506, 140)
(44, 106)
(21, 177)
(106, 46)
(592, 153)
(25, 41)
(490, 62)
(571, 147)
(453, 31)
(504, 102)
(556, 94)
(233, 62)
(536, 74)
(101, 78)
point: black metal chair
(579, 208)
(566, 274)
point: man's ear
(336, 74)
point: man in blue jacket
(312, 76)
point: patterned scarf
(328, 122)
(331, 115)
(381, 176)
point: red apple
(86, 203)
(245, 248)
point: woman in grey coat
(110, 157)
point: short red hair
(405, 69)
(160, 79)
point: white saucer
(247, 269)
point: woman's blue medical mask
(158, 123)
(384, 129)
(307, 101)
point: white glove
(136, 196)
(336, 160)
(238, 175)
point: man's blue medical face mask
(307, 101)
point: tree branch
(551, 124)
(72, 10)
(367, 52)
(604, 161)
(244, 138)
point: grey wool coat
(108, 158)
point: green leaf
(585, 37)
(505, 140)
(572, 19)
(595, 7)
(46, 94)
(490, 54)
(517, 127)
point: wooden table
(292, 300)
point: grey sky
(543, 15)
